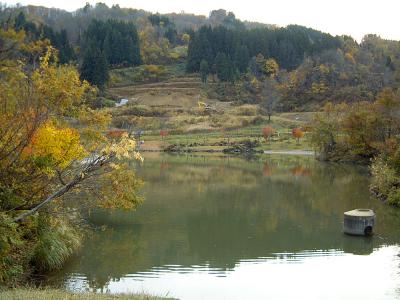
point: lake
(219, 227)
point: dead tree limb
(92, 166)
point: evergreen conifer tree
(94, 67)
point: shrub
(384, 178)
(152, 73)
(257, 120)
(246, 110)
(245, 122)
(107, 102)
(51, 242)
(394, 158)
(11, 244)
(268, 132)
(56, 243)
(394, 197)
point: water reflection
(224, 218)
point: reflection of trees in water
(208, 214)
(300, 171)
(256, 224)
(268, 170)
(106, 255)
(164, 166)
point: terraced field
(179, 93)
(173, 106)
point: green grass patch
(219, 139)
(55, 294)
(145, 74)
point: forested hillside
(302, 67)
(75, 23)
(288, 46)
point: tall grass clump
(57, 241)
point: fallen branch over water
(91, 166)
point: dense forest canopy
(287, 45)
(118, 40)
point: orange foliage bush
(164, 133)
(116, 134)
(297, 133)
(268, 132)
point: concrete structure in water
(359, 221)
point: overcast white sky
(352, 17)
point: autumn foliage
(53, 150)
(164, 133)
(268, 132)
(61, 146)
(116, 134)
(297, 133)
(365, 132)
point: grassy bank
(54, 294)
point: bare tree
(270, 96)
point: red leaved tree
(163, 134)
(116, 134)
(297, 134)
(268, 132)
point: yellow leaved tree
(60, 146)
(55, 158)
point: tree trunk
(91, 167)
(53, 196)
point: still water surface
(229, 228)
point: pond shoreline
(291, 152)
(49, 294)
(269, 152)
